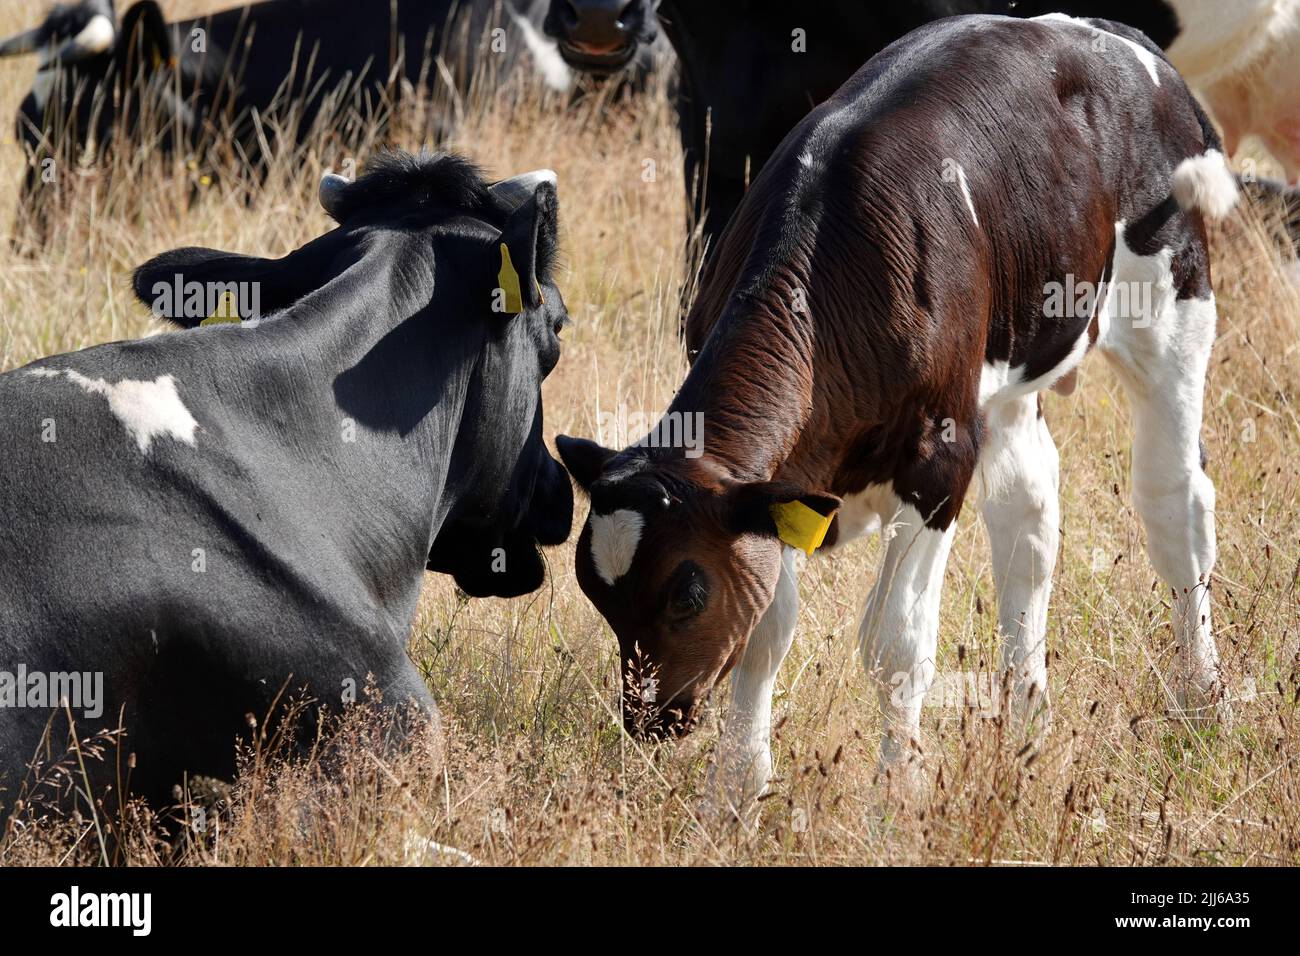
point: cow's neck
(373, 424)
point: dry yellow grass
(538, 770)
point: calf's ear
(585, 459)
(781, 509)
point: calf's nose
(647, 722)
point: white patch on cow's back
(147, 410)
(965, 194)
(614, 538)
(1145, 56)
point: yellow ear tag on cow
(508, 282)
(226, 311)
(799, 526)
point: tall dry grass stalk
(538, 770)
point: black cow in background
(751, 69)
(201, 520)
(248, 69)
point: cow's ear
(528, 248)
(187, 286)
(145, 39)
(585, 459)
(781, 509)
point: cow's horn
(331, 193)
(96, 37)
(517, 190)
(20, 43)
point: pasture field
(538, 770)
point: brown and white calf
(872, 337)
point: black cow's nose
(600, 27)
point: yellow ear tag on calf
(799, 526)
(226, 311)
(508, 282)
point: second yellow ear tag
(799, 526)
(508, 282)
(226, 311)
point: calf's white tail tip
(1206, 184)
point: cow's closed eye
(688, 595)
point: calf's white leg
(900, 627)
(1161, 355)
(744, 760)
(1019, 474)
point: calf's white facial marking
(614, 538)
(147, 410)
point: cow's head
(89, 70)
(682, 561)
(600, 36)
(460, 273)
(71, 33)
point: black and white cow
(750, 69)
(870, 341)
(205, 518)
(253, 66)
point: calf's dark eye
(689, 594)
